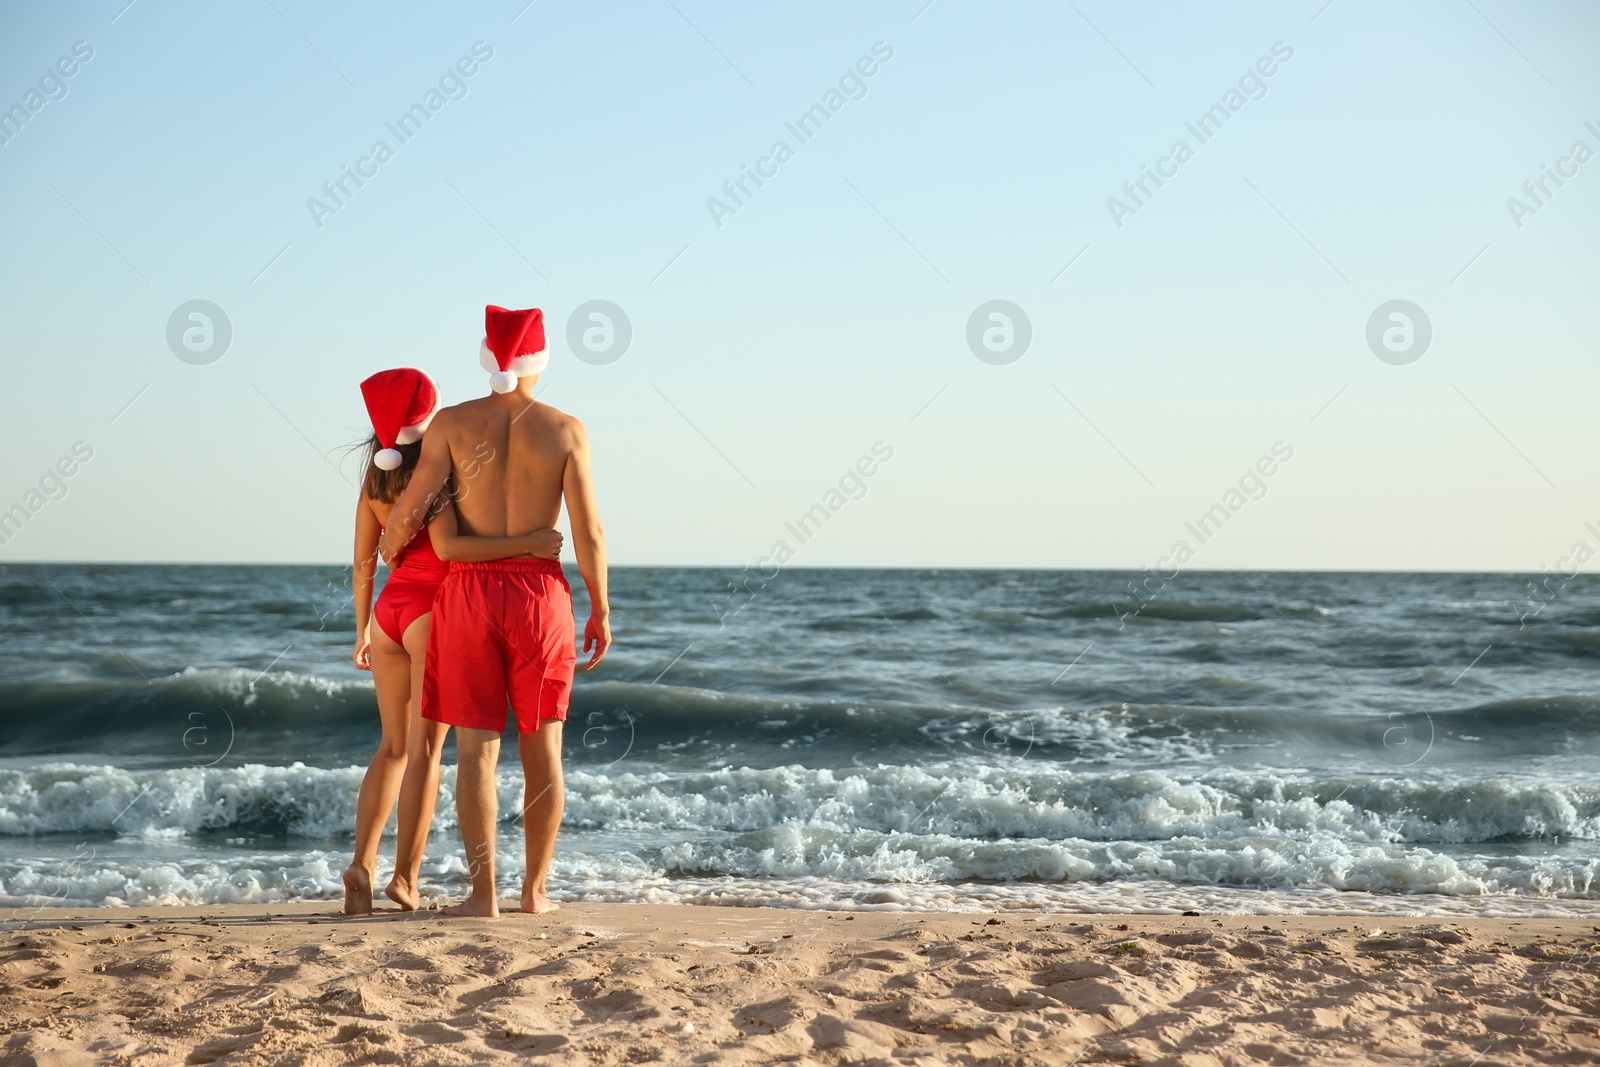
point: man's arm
(589, 540)
(410, 512)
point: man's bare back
(509, 459)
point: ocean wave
(1169, 611)
(1259, 861)
(987, 802)
(87, 880)
(195, 715)
(67, 798)
(959, 800)
(189, 714)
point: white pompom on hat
(401, 403)
(513, 346)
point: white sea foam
(69, 798)
(1021, 800)
(624, 877)
(84, 880)
(246, 686)
(1040, 800)
(1268, 861)
(1094, 734)
(915, 829)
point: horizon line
(834, 567)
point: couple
(476, 614)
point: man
(503, 631)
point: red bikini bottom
(408, 594)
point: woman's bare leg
(420, 787)
(391, 676)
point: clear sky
(1357, 153)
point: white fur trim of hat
(521, 367)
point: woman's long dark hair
(379, 484)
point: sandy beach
(610, 984)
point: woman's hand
(362, 656)
(545, 544)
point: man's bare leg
(478, 752)
(544, 797)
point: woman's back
(419, 550)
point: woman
(401, 404)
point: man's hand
(362, 656)
(390, 546)
(597, 632)
(545, 543)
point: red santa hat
(401, 403)
(513, 346)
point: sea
(968, 740)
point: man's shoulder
(558, 420)
(471, 414)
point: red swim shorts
(502, 633)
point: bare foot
(534, 902)
(357, 890)
(402, 893)
(489, 909)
